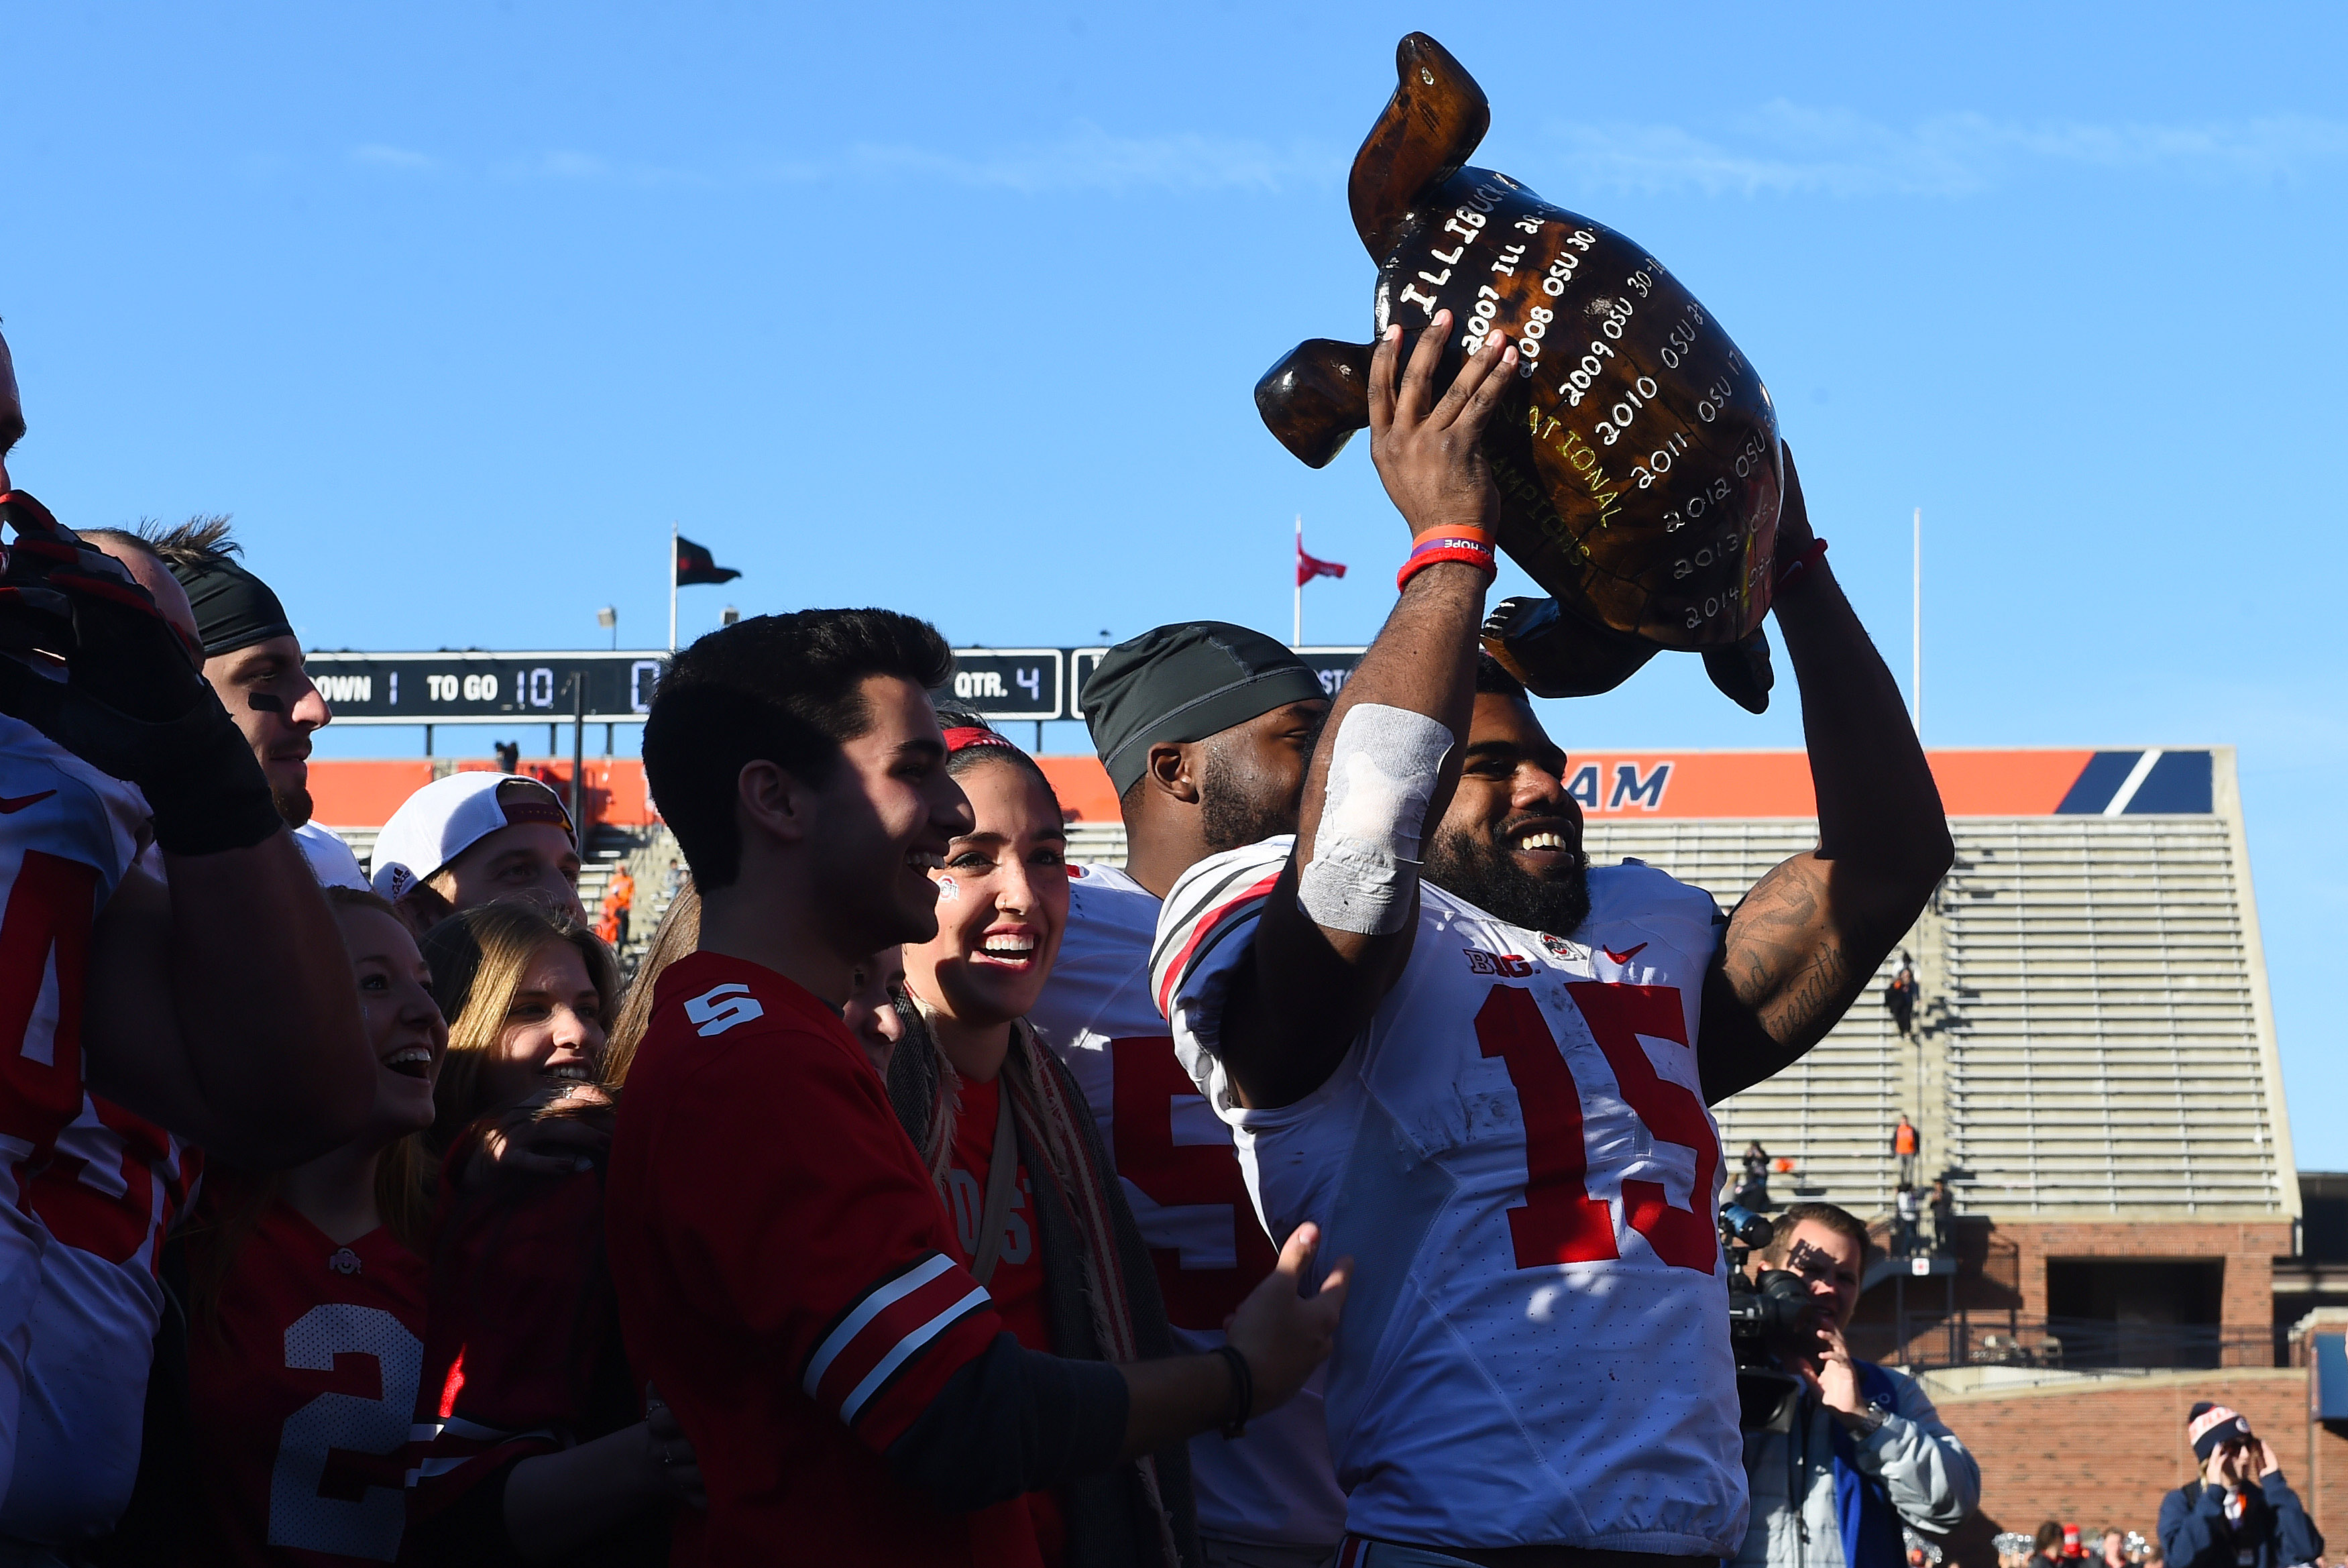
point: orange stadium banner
(1660, 783)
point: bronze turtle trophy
(1637, 458)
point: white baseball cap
(450, 816)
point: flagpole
(672, 587)
(1296, 638)
(1916, 652)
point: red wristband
(1427, 556)
(1789, 571)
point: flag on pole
(695, 565)
(1308, 567)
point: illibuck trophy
(1637, 459)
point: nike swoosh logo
(10, 805)
(1624, 957)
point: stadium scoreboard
(467, 687)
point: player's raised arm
(1336, 931)
(1806, 940)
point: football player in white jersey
(1206, 730)
(1500, 1111)
(163, 991)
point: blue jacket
(2274, 1531)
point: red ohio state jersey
(1182, 1178)
(302, 1390)
(1517, 1153)
(68, 834)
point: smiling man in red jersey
(788, 1276)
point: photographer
(2240, 1514)
(1864, 1452)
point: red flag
(1309, 567)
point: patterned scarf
(1046, 1124)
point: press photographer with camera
(1857, 1451)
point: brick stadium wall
(2249, 1249)
(2107, 1453)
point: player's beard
(1476, 868)
(293, 804)
(1230, 816)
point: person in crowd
(527, 991)
(2047, 1545)
(254, 661)
(618, 897)
(1011, 1146)
(2112, 1549)
(853, 1391)
(679, 933)
(1330, 1002)
(2238, 1513)
(1860, 1434)
(1206, 730)
(1905, 1144)
(1907, 1211)
(293, 1463)
(536, 1438)
(1899, 997)
(1753, 1179)
(253, 1050)
(470, 837)
(1944, 1216)
(875, 1013)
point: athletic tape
(1382, 772)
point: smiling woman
(1014, 1148)
(537, 1440)
(293, 1270)
(527, 992)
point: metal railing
(2064, 1344)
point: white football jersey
(1175, 1159)
(68, 835)
(109, 1196)
(1517, 1154)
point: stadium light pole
(1916, 649)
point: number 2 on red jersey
(1560, 1222)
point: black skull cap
(1182, 683)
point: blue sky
(457, 306)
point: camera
(1766, 1316)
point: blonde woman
(538, 1442)
(289, 1271)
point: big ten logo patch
(1509, 964)
(1619, 786)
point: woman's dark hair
(988, 744)
(773, 688)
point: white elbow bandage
(1382, 772)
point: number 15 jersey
(1517, 1154)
